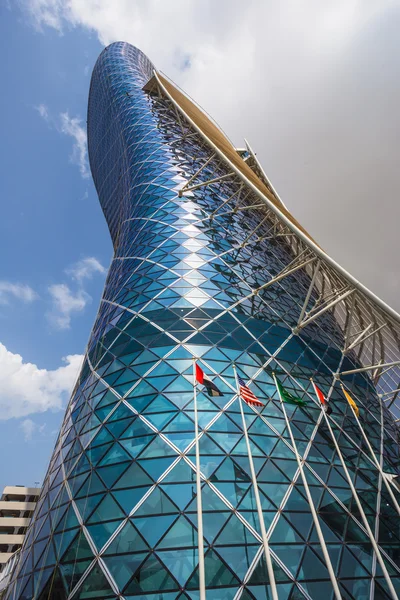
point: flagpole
(202, 577)
(359, 505)
(310, 502)
(388, 486)
(267, 551)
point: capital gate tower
(209, 265)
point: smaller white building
(17, 504)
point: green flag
(288, 396)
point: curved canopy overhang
(226, 151)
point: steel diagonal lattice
(209, 264)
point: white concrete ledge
(16, 490)
(13, 522)
(17, 506)
(9, 539)
(4, 557)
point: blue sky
(51, 224)
(317, 90)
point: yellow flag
(351, 402)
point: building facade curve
(211, 269)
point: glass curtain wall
(117, 517)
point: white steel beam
(358, 338)
(205, 183)
(392, 400)
(322, 311)
(362, 337)
(254, 230)
(309, 292)
(237, 193)
(370, 368)
(389, 393)
(324, 300)
(237, 209)
(389, 406)
(282, 275)
(193, 177)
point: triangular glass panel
(135, 445)
(128, 540)
(54, 588)
(235, 532)
(107, 509)
(155, 467)
(238, 558)
(182, 534)
(151, 577)
(79, 549)
(115, 455)
(217, 573)
(180, 494)
(133, 476)
(92, 485)
(122, 567)
(95, 586)
(157, 448)
(157, 503)
(128, 499)
(181, 563)
(111, 473)
(101, 532)
(154, 527)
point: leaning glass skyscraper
(211, 268)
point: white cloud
(72, 126)
(29, 428)
(45, 13)
(65, 304)
(17, 290)
(85, 269)
(25, 389)
(43, 112)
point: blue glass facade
(118, 513)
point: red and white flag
(322, 399)
(247, 394)
(210, 386)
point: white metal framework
(371, 328)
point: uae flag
(322, 399)
(210, 386)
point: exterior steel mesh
(117, 515)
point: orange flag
(351, 402)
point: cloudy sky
(314, 86)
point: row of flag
(286, 396)
(251, 399)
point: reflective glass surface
(117, 517)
